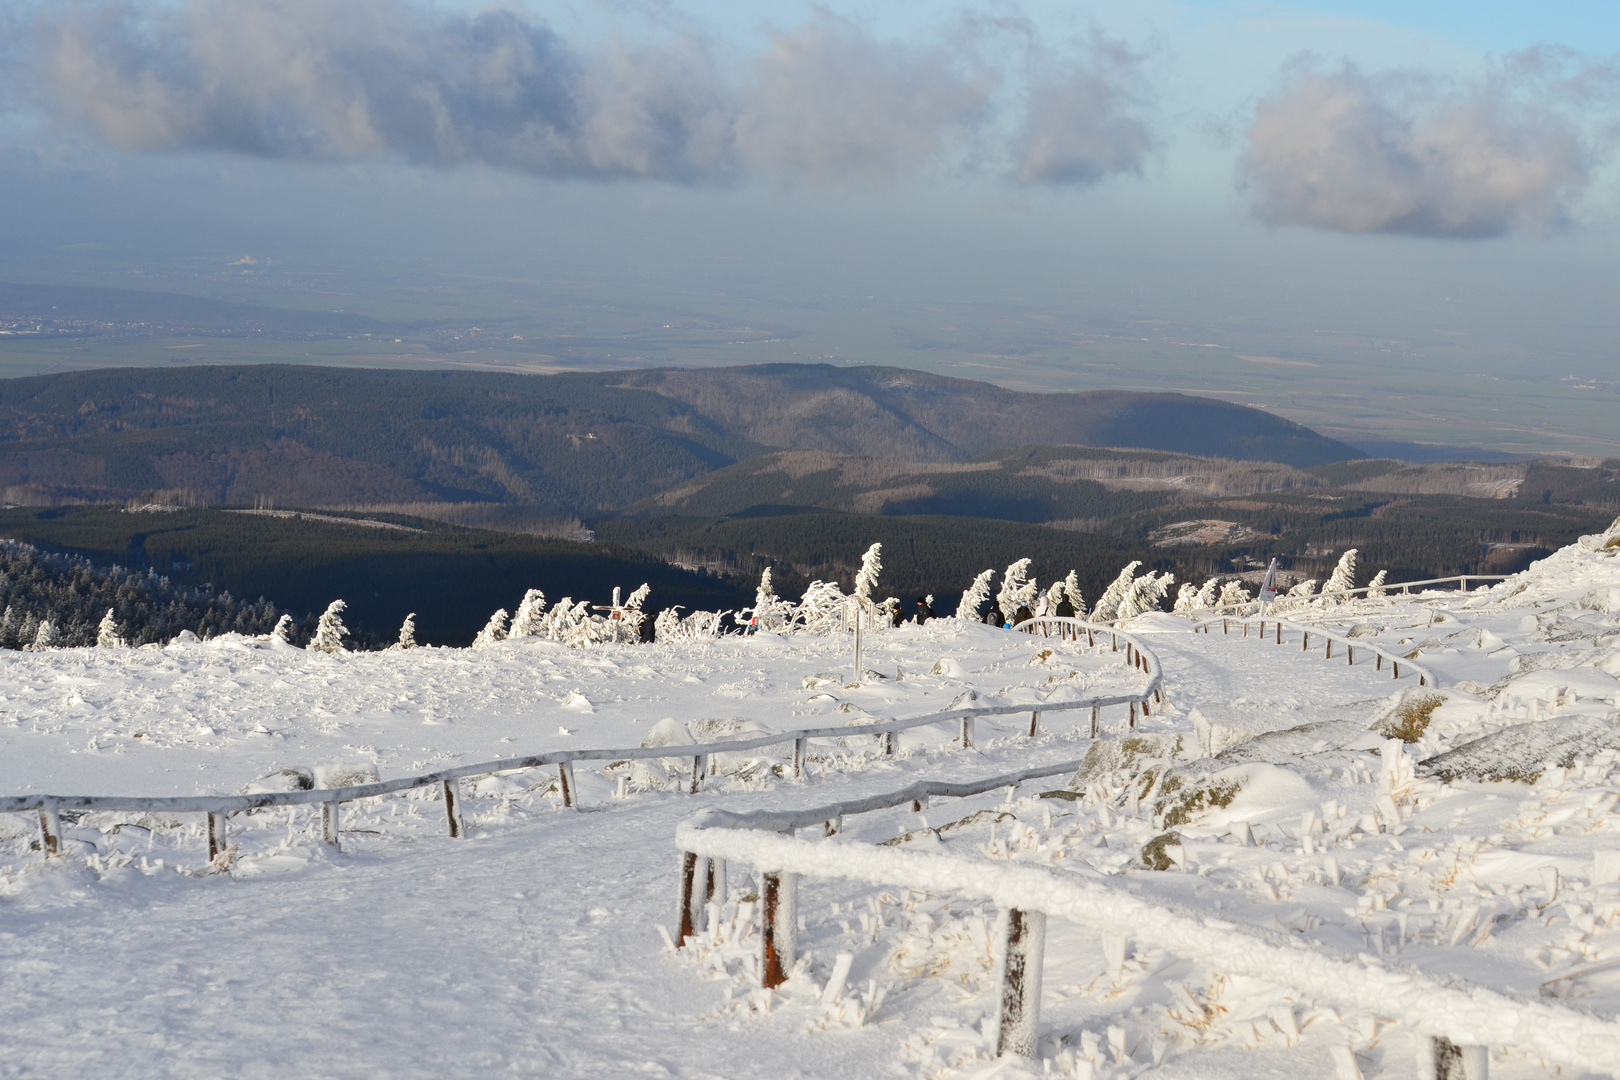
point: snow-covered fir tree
(531, 615)
(1210, 595)
(1017, 589)
(1108, 604)
(493, 632)
(407, 633)
(1375, 587)
(1186, 600)
(284, 629)
(866, 577)
(107, 636)
(1342, 580)
(330, 631)
(1071, 589)
(44, 637)
(1145, 594)
(972, 600)
(770, 612)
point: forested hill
(583, 443)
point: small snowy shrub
(284, 629)
(1209, 595)
(821, 611)
(494, 631)
(1375, 587)
(330, 631)
(1233, 595)
(107, 633)
(531, 614)
(770, 612)
(1186, 600)
(407, 633)
(972, 600)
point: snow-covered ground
(533, 945)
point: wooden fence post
(1021, 963)
(1330, 649)
(217, 837)
(685, 926)
(1397, 665)
(452, 808)
(779, 927)
(967, 732)
(1095, 711)
(50, 832)
(801, 749)
(1350, 652)
(1305, 642)
(330, 815)
(1453, 1062)
(1378, 661)
(890, 741)
(698, 762)
(565, 784)
(1034, 722)
(1133, 716)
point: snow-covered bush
(1375, 587)
(330, 631)
(1233, 596)
(1297, 597)
(1186, 600)
(107, 633)
(1342, 581)
(1209, 595)
(1108, 603)
(1145, 594)
(823, 608)
(407, 633)
(698, 626)
(770, 612)
(493, 632)
(531, 614)
(1017, 589)
(972, 600)
(284, 629)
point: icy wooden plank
(329, 823)
(218, 840)
(778, 934)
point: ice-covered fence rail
(330, 798)
(1329, 637)
(1069, 628)
(1405, 588)
(1438, 1006)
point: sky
(1372, 198)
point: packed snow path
(529, 949)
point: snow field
(533, 946)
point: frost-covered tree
(44, 637)
(1145, 594)
(1375, 587)
(867, 576)
(407, 633)
(1071, 589)
(1209, 595)
(1233, 595)
(1297, 597)
(284, 629)
(1053, 597)
(1343, 579)
(531, 614)
(493, 632)
(107, 633)
(1186, 600)
(770, 612)
(972, 600)
(821, 610)
(330, 631)
(1108, 604)
(1017, 589)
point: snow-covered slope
(532, 946)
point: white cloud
(1343, 151)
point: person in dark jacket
(1063, 609)
(1022, 615)
(925, 610)
(994, 617)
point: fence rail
(1331, 637)
(217, 807)
(1462, 1019)
(1383, 590)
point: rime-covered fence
(1273, 631)
(218, 808)
(1462, 1018)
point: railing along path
(1330, 637)
(1384, 591)
(218, 807)
(1461, 1019)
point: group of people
(996, 617)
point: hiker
(925, 610)
(1022, 615)
(993, 617)
(1063, 609)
